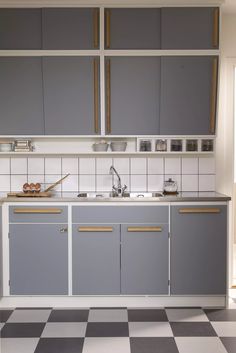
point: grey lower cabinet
(96, 259)
(132, 28)
(198, 250)
(144, 259)
(71, 95)
(38, 259)
(188, 95)
(1, 263)
(190, 28)
(70, 28)
(132, 95)
(21, 98)
(20, 28)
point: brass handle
(215, 36)
(95, 229)
(64, 230)
(144, 229)
(108, 28)
(95, 28)
(96, 93)
(108, 96)
(213, 95)
(37, 210)
(199, 210)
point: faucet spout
(119, 189)
(113, 169)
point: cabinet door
(38, 259)
(21, 97)
(188, 95)
(198, 250)
(189, 28)
(20, 29)
(132, 28)
(71, 95)
(1, 264)
(70, 28)
(132, 95)
(144, 259)
(96, 259)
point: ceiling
(229, 6)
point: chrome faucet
(117, 189)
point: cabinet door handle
(37, 210)
(213, 95)
(199, 210)
(96, 93)
(144, 229)
(108, 28)
(215, 33)
(95, 28)
(95, 229)
(108, 96)
(64, 230)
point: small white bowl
(6, 147)
(100, 147)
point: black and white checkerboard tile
(118, 330)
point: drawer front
(120, 214)
(38, 214)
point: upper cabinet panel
(132, 28)
(70, 28)
(189, 28)
(20, 29)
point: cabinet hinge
(169, 234)
(168, 282)
(9, 235)
(9, 283)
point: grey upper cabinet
(1, 263)
(188, 95)
(144, 259)
(198, 250)
(20, 29)
(71, 95)
(189, 28)
(96, 259)
(132, 95)
(132, 28)
(38, 259)
(70, 28)
(21, 97)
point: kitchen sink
(125, 195)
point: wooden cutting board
(30, 194)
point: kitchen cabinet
(70, 28)
(71, 95)
(1, 262)
(132, 95)
(198, 250)
(21, 98)
(20, 29)
(189, 28)
(144, 259)
(96, 259)
(188, 95)
(38, 250)
(132, 28)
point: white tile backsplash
(4, 165)
(139, 173)
(206, 165)
(70, 165)
(18, 165)
(138, 182)
(138, 166)
(173, 165)
(35, 165)
(190, 166)
(155, 165)
(103, 165)
(53, 166)
(87, 165)
(155, 182)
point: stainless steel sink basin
(105, 195)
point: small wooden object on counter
(55, 184)
(30, 194)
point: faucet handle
(124, 187)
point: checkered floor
(117, 330)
